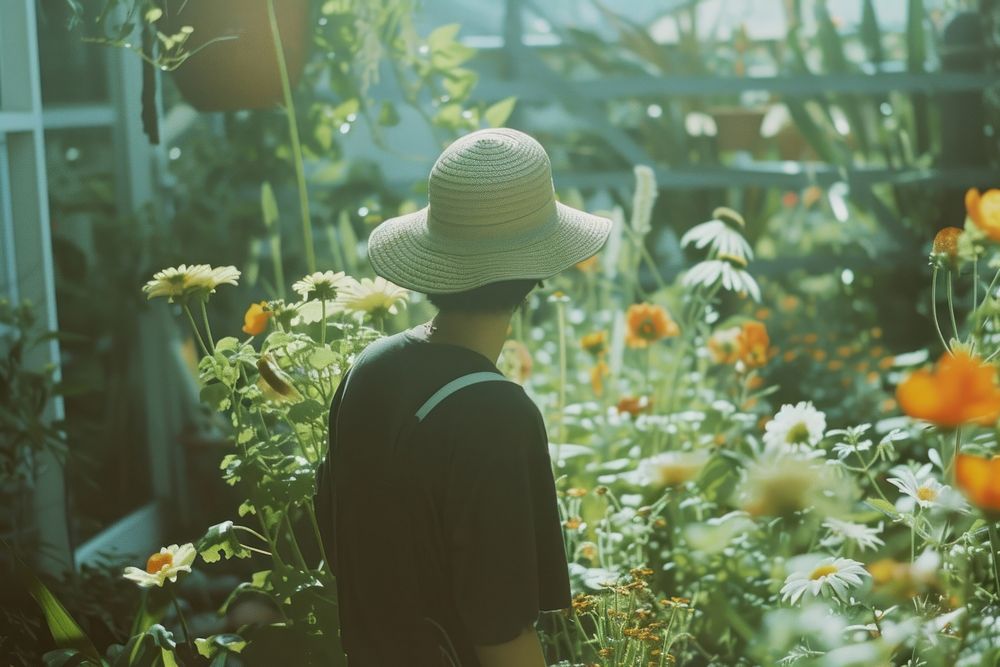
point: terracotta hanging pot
(738, 127)
(242, 72)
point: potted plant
(232, 63)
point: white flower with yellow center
(168, 563)
(921, 489)
(183, 281)
(177, 281)
(830, 575)
(321, 285)
(672, 468)
(797, 427)
(376, 298)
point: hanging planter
(234, 63)
(738, 127)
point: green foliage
(26, 390)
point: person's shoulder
(493, 409)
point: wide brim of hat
(401, 251)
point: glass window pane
(97, 296)
(73, 71)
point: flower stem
(180, 615)
(949, 470)
(293, 131)
(951, 307)
(208, 328)
(194, 327)
(322, 323)
(311, 511)
(934, 310)
(995, 549)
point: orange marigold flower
(256, 318)
(648, 323)
(754, 344)
(962, 389)
(984, 211)
(724, 345)
(979, 480)
(596, 342)
(945, 246)
(633, 405)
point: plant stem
(194, 327)
(293, 131)
(995, 549)
(934, 311)
(180, 615)
(322, 323)
(951, 307)
(208, 328)
(311, 511)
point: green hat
(492, 216)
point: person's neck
(484, 333)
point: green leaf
(226, 643)
(226, 344)
(459, 82)
(216, 396)
(882, 506)
(268, 204)
(168, 658)
(497, 114)
(66, 633)
(221, 541)
(306, 411)
(387, 114)
(322, 357)
(442, 36)
(66, 657)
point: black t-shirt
(443, 534)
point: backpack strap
(455, 385)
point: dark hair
(505, 295)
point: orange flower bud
(256, 318)
(945, 246)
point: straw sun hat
(492, 215)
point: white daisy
(845, 449)
(726, 270)
(168, 563)
(672, 468)
(321, 285)
(924, 490)
(183, 281)
(833, 575)
(797, 427)
(376, 298)
(177, 281)
(861, 535)
(720, 238)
